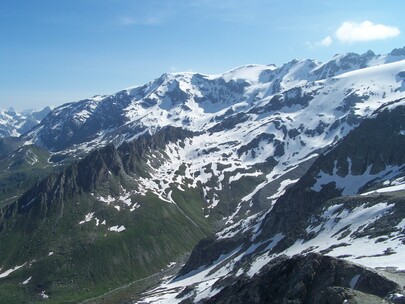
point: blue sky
(53, 52)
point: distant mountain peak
(14, 123)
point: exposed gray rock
(312, 279)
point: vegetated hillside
(91, 228)
(20, 170)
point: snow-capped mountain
(190, 100)
(14, 124)
(270, 122)
(268, 161)
(260, 124)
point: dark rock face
(398, 52)
(229, 122)
(63, 127)
(312, 279)
(218, 90)
(255, 143)
(207, 252)
(293, 97)
(346, 63)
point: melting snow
(26, 281)
(88, 217)
(117, 228)
(350, 184)
(43, 295)
(134, 207)
(240, 175)
(386, 189)
(362, 250)
(7, 272)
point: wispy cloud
(226, 10)
(149, 13)
(325, 42)
(365, 31)
(128, 21)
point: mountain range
(260, 172)
(14, 123)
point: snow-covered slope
(285, 130)
(256, 125)
(350, 205)
(190, 100)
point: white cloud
(327, 41)
(365, 31)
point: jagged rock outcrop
(311, 279)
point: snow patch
(117, 228)
(350, 184)
(88, 217)
(386, 189)
(9, 271)
(26, 281)
(43, 295)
